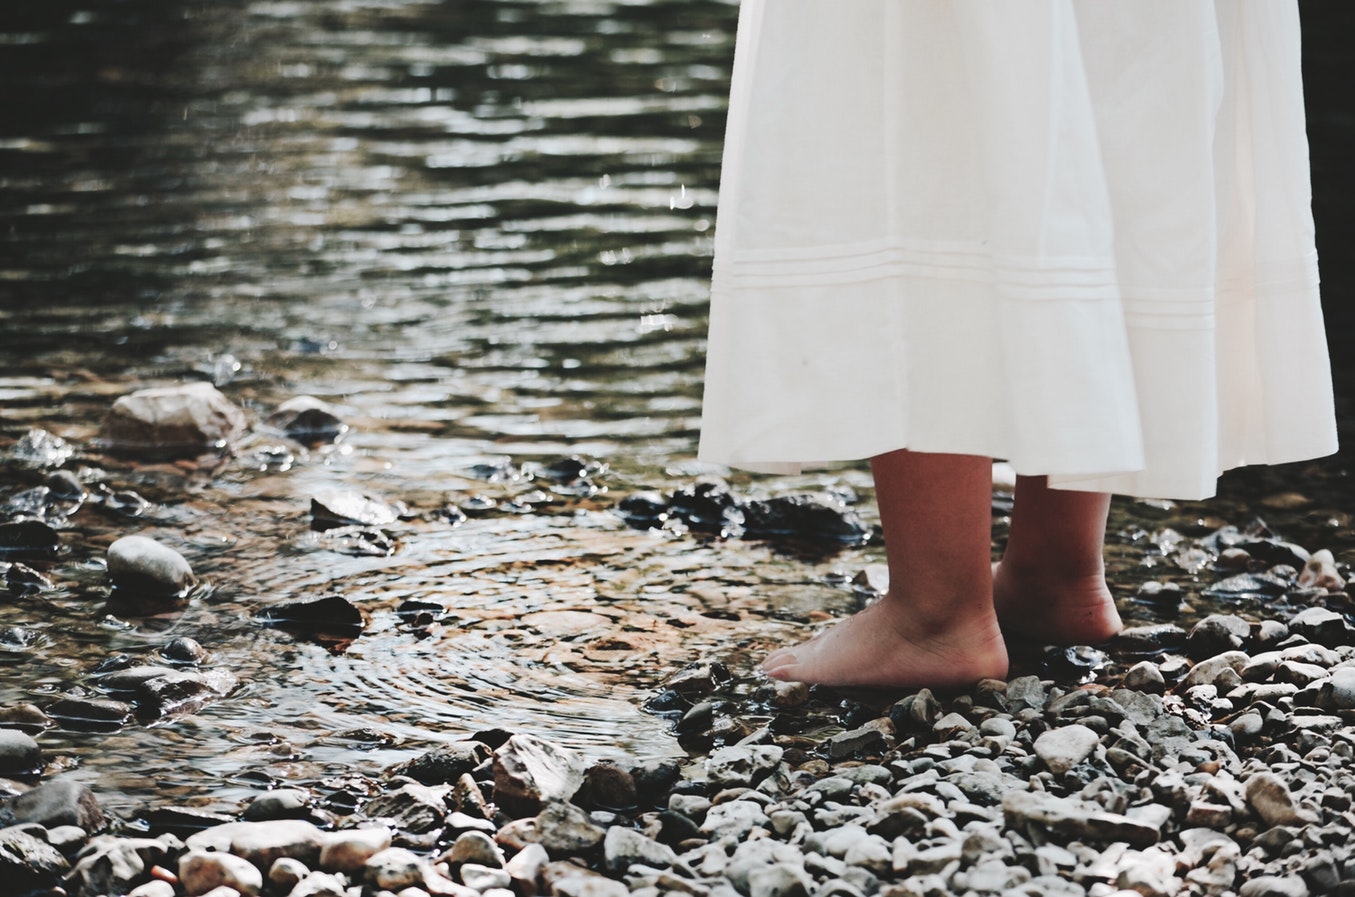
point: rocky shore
(1213, 759)
(1222, 767)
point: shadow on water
(482, 230)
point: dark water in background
(482, 229)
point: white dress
(1073, 234)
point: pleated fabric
(1072, 234)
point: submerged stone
(345, 507)
(308, 420)
(28, 539)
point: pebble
(201, 872)
(172, 421)
(1065, 747)
(19, 753)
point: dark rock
(143, 566)
(1247, 585)
(27, 863)
(171, 421)
(609, 787)
(182, 649)
(698, 679)
(856, 741)
(1215, 634)
(1271, 552)
(915, 713)
(1153, 639)
(654, 779)
(18, 638)
(308, 420)
(813, 518)
(126, 679)
(28, 539)
(182, 691)
(446, 763)
(65, 486)
(565, 830)
(90, 714)
(412, 808)
(182, 821)
(54, 803)
(344, 507)
(1323, 626)
(644, 510)
(708, 507)
(283, 803)
(24, 580)
(19, 753)
(332, 615)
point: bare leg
(1051, 584)
(936, 627)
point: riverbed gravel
(1226, 774)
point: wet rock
(143, 566)
(308, 420)
(530, 772)
(644, 510)
(27, 717)
(444, 764)
(330, 616)
(654, 779)
(1153, 639)
(1340, 689)
(90, 714)
(171, 421)
(348, 850)
(412, 808)
(862, 740)
(1323, 626)
(284, 803)
(1215, 634)
(19, 753)
(345, 507)
(39, 448)
(698, 679)
(22, 580)
(28, 863)
(28, 539)
(184, 650)
(182, 691)
(1247, 586)
(1063, 748)
(812, 518)
(200, 872)
(707, 507)
(359, 541)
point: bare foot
(1053, 610)
(882, 647)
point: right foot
(1055, 610)
(881, 647)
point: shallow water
(482, 230)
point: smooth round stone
(286, 873)
(284, 803)
(19, 753)
(141, 564)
